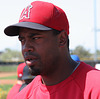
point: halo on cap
(13, 30)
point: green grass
(8, 68)
(4, 89)
(9, 77)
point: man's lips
(31, 61)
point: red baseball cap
(20, 70)
(40, 15)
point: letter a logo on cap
(26, 13)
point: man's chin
(34, 72)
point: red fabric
(20, 69)
(46, 14)
(14, 90)
(84, 83)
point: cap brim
(13, 30)
(28, 77)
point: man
(43, 31)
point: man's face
(40, 50)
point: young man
(43, 31)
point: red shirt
(14, 90)
(83, 83)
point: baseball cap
(27, 74)
(40, 15)
(20, 70)
(75, 57)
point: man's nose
(27, 47)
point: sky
(80, 14)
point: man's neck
(60, 75)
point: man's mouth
(31, 61)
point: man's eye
(35, 38)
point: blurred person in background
(27, 77)
(15, 89)
(75, 58)
(24, 78)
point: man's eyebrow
(30, 35)
(34, 34)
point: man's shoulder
(83, 67)
(86, 74)
(92, 76)
(86, 78)
(93, 72)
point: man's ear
(62, 38)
